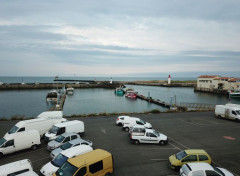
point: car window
(122, 118)
(190, 158)
(67, 139)
(202, 157)
(234, 113)
(93, 168)
(81, 172)
(74, 137)
(139, 123)
(9, 143)
(21, 129)
(211, 173)
(84, 143)
(148, 135)
(152, 135)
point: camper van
(74, 126)
(51, 167)
(22, 167)
(228, 112)
(19, 141)
(42, 124)
(96, 163)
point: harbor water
(30, 103)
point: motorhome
(74, 126)
(19, 141)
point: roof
(48, 114)
(67, 123)
(221, 78)
(234, 79)
(78, 150)
(208, 76)
(89, 157)
(200, 166)
(195, 151)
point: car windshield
(238, 112)
(156, 133)
(66, 146)
(218, 171)
(2, 141)
(66, 169)
(142, 121)
(181, 155)
(59, 160)
(59, 138)
(54, 130)
(13, 130)
(185, 169)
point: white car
(22, 167)
(203, 169)
(51, 167)
(120, 120)
(129, 122)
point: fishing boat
(52, 96)
(234, 93)
(131, 94)
(119, 91)
(70, 90)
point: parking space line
(159, 159)
(158, 148)
(178, 143)
(197, 124)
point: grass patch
(155, 111)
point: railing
(197, 105)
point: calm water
(30, 103)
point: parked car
(22, 167)
(203, 169)
(51, 167)
(19, 141)
(74, 126)
(120, 120)
(150, 136)
(97, 162)
(228, 111)
(62, 139)
(129, 122)
(42, 124)
(70, 144)
(188, 156)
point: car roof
(74, 151)
(200, 166)
(68, 134)
(196, 151)
(122, 116)
(138, 126)
(68, 123)
(78, 140)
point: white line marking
(103, 130)
(157, 148)
(179, 143)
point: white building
(218, 82)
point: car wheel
(34, 147)
(1, 155)
(219, 116)
(161, 142)
(127, 129)
(120, 124)
(136, 142)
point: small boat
(119, 91)
(234, 93)
(131, 94)
(70, 90)
(52, 96)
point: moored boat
(70, 90)
(52, 96)
(131, 94)
(234, 93)
(119, 91)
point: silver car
(70, 144)
(62, 139)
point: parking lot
(193, 130)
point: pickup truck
(150, 136)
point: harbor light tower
(169, 79)
(111, 81)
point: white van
(74, 126)
(129, 122)
(19, 141)
(228, 112)
(22, 167)
(51, 167)
(42, 124)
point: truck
(19, 141)
(228, 112)
(74, 126)
(150, 136)
(42, 123)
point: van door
(9, 147)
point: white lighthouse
(111, 81)
(169, 79)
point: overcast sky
(119, 37)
